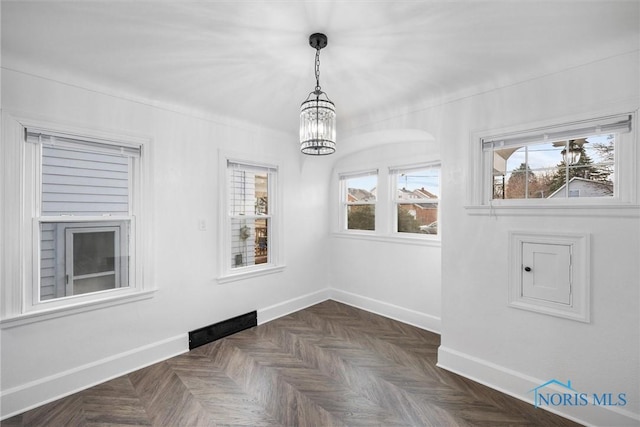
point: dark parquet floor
(327, 365)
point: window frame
(21, 303)
(275, 255)
(393, 175)
(481, 202)
(345, 204)
(386, 218)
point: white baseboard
(401, 314)
(518, 385)
(290, 306)
(39, 392)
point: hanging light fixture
(572, 151)
(317, 116)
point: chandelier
(317, 112)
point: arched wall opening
(389, 273)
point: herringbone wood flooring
(327, 365)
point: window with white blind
(251, 224)
(358, 194)
(575, 163)
(83, 215)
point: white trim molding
(276, 262)
(401, 314)
(41, 391)
(20, 253)
(519, 385)
(27, 396)
(624, 202)
(395, 312)
(43, 315)
(292, 305)
(578, 211)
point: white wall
(482, 338)
(515, 350)
(41, 360)
(386, 275)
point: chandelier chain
(318, 70)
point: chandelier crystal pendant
(317, 112)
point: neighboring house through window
(87, 254)
(359, 200)
(399, 202)
(83, 199)
(417, 191)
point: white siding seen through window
(85, 215)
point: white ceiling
(251, 59)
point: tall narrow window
(250, 214)
(84, 215)
(417, 197)
(359, 200)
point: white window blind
(80, 143)
(250, 167)
(83, 176)
(614, 124)
(397, 170)
(363, 174)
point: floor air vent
(222, 329)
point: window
(417, 195)
(582, 161)
(85, 197)
(251, 218)
(82, 257)
(359, 200)
(390, 202)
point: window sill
(249, 274)
(69, 310)
(420, 240)
(582, 210)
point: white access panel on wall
(549, 273)
(546, 272)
